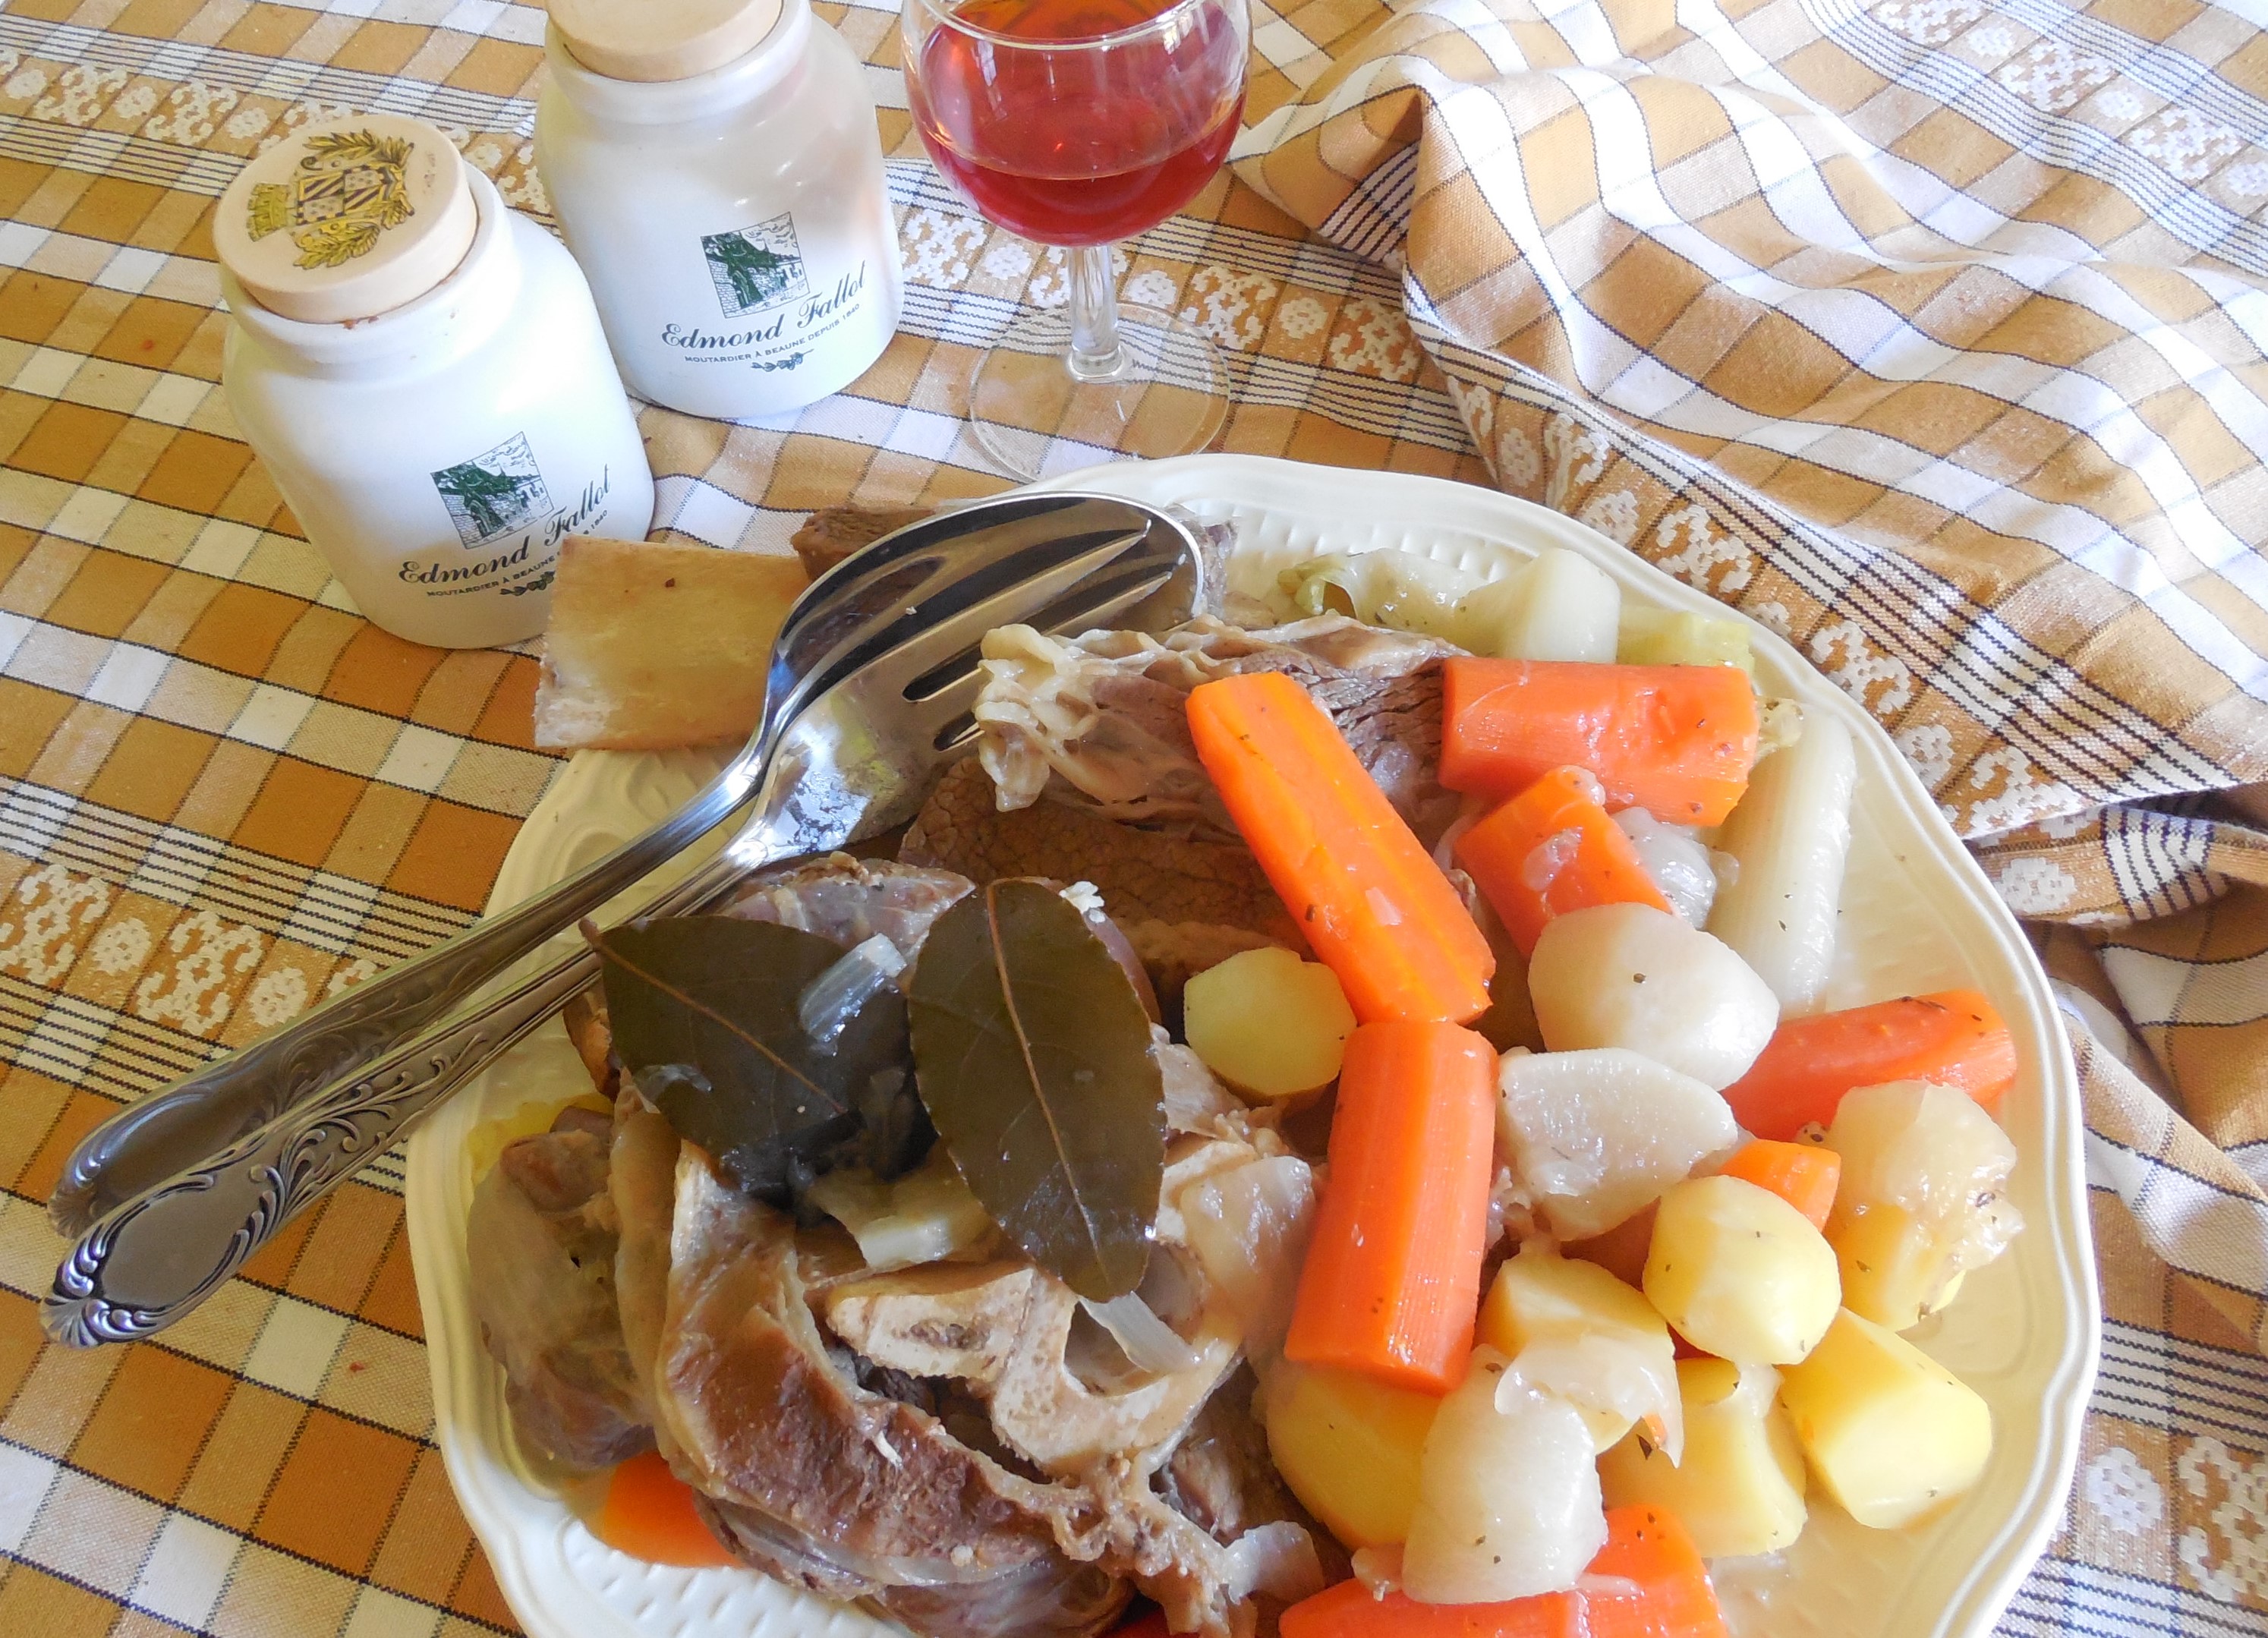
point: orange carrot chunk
(1376, 909)
(649, 1514)
(1668, 1595)
(1649, 1547)
(1348, 1611)
(1393, 1275)
(1953, 1038)
(1802, 1174)
(1550, 850)
(1677, 740)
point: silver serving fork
(871, 680)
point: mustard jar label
(507, 523)
(763, 282)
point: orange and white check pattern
(1928, 333)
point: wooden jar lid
(347, 218)
(661, 39)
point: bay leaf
(1032, 1052)
(704, 1015)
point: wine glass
(1076, 123)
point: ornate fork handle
(223, 1103)
(152, 1259)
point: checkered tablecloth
(1931, 334)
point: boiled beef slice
(849, 900)
(860, 1495)
(542, 1240)
(1145, 876)
(848, 1493)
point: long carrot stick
(1374, 906)
(1646, 1549)
(1678, 740)
(1550, 850)
(1953, 1038)
(1393, 1276)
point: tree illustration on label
(757, 266)
(492, 494)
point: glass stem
(1096, 352)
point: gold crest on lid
(661, 39)
(346, 218)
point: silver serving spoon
(871, 683)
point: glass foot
(1168, 396)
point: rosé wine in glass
(1076, 123)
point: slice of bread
(653, 646)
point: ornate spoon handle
(149, 1261)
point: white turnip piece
(1597, 1136)
(1923, 1198)
(1560, 607)
(1631, 976)
(1792, 834)
(1249, 1227)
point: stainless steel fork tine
(912, 560)
(942, 697)
(1091, 581)
(979, 601)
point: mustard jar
(715, 166)
(423, 374)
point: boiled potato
(1739, 1487)
(1922, 1201)
(1349, 1447)
(1596, 1136)
(1267, 1023)
(1891, 1434)
(1740, 1272)
(1541, 1294)
(1507, 1497)
(1573, 1329)
(1635, 976)
(1895, 1270)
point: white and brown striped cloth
(1934, 335)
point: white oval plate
(1917, 915)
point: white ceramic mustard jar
(715, 166)
(423, 374)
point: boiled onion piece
(1150, 1344)
(1508, 1500)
